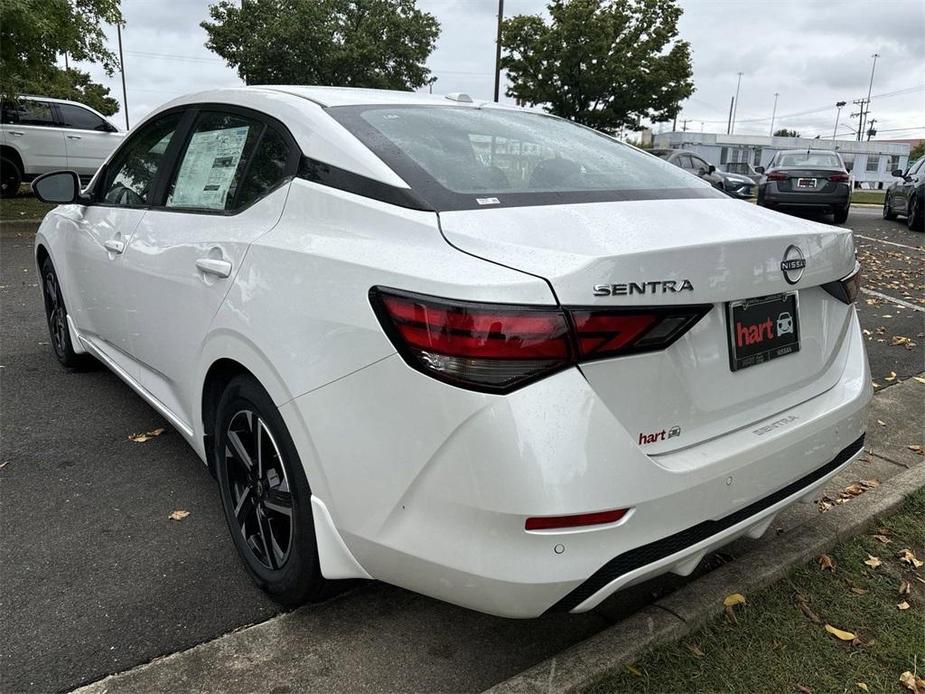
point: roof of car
(807, 151)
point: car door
(88, 138)
(907, 186)
(119, 202)
(225, 191)
(30, 127)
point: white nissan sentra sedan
(478, 352)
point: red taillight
(776, 176)
(576, 521)
(839, 178)
(499, 347)
(847, 288)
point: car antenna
(461, 97)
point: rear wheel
(914, 217)
(265, 495)
(10, 178)
(841, 214)
(888, 208)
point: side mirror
(849, 165)
(712, 169)
(57, 187)
(759, 169)
(106, 127)
(899, 173)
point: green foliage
(33, 33)
(77, 86)
(783, 132)
(353, 43)
(917, 152)
(602, 63)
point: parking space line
(892, 243)
(891, 299)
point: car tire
(56, 318)
(888, 213)
(10, 178)
(915, 214)
(265, 495)
(840, 216)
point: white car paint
(425, 484)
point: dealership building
(873, 161)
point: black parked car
(807, 179)
(733, 184)
(907, 197)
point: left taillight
(847, 288)
(498, 348)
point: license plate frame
(803, 183)
(762, 329)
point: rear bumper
(429, 486)
(838, 198)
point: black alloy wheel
(915, 219)
(265, 494)
(56, 316)
(888, 213)
(10, 178)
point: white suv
(38, 135)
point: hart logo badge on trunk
(762, 329)
(657, 436)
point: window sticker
(208, 169)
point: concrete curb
(690, 606)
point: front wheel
(914, 218)
(265, 495)
(56, 317)
(888, 213)
(840, 215)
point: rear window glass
(470, 157)
(797, 159)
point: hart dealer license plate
(763, 329)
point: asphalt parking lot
(96, 579)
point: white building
(873, 161)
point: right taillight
(846, 289)
(839, 178)
(498, 348)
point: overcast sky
(812, 52)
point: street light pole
(864, 113)
(122, 70)
(773, 113)
(735, 106)
(838, 105)
(498, 50)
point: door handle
(114, 246)
(15, 133)
(73, 137)
(214, 266)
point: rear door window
(29, 112)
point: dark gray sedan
(906, 197)
(806, 179)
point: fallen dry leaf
(840, 633)
(891, 377)
(908, 557)
(734, 599)
(905, 588)
(178, 515)
(862, 686)
(633, 670)
(919, 379)
(913, 683)
(730, 614)
(915, 448)
(883, 539)
(854, 489)
(807, 610)
(803, 689)
(826, 563)
(872, 561)
(870, 484)
(881, 422)
(858, 591)
(146, 436)
(696, 650)
(903, 605)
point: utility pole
(122, 69)
(860, 115)
(498, 50)
(838, 105)
(729, 122)
(674, 125)
(684, 125)
(870, 129)
(773, 113)
(870, 87)
(735, 105)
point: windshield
(467, 157)
(805, 159)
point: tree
(783, 132)
(917, 152)
(603, 63)
(34, 33)
(355, 43)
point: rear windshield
(798, 159)
(467, 158)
